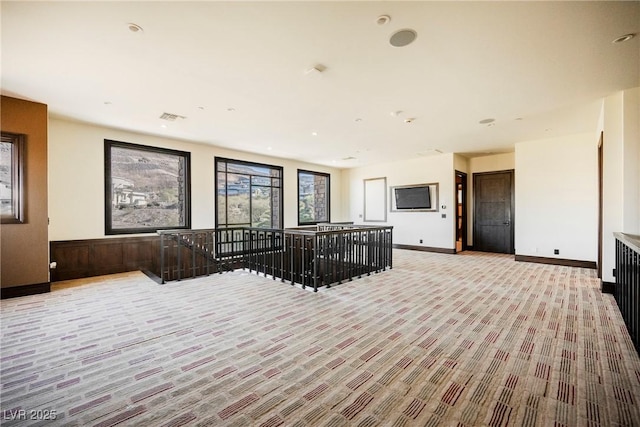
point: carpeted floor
(441, 340)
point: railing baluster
(353, 267)
(264, 253)
(292, 266)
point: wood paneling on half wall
(76, 259)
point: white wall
(631, 133)
(556, 184)
(621, 186)
(492, 163)
(613, 181)
(409, 227)
(76, 178)
(460, 163)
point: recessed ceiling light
(486, 121)
(231, 109)
(200, 108)
(519, 118)
(383, 19)
(314, 133)
(316, 70)
(358, 119)
(269, 148)
(403, 37)
(135, 28)
(624, 38)
(163, 126)
(107, 102)
(396, 113)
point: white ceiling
(539, 69)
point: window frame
(108, 186)
(227, 161)
(327, 196)
(16, 175)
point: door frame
(463, 215)
(512, 212)
(600, 200)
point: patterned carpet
(441, 340)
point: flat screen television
(418, 197)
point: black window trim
(228, 160)
(18, 193)
(108, 218)
(328, 196)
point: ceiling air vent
(171, 117)
(349, 158)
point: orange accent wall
(24, 248)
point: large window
(248, 194)
(313, 197)
(146, 188)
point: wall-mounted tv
(418, 197)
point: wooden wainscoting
(556, 261)
(424, 248)
(76, 259)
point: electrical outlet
(556, 251)
(420, 240)
(444, 215)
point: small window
(146, 188)
(313, 197)
(11, 178)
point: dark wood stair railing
(627, 289)
(311, 256)
(193, 253)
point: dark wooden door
(461, 211)
(493, 212)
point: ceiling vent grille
(171, 117)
